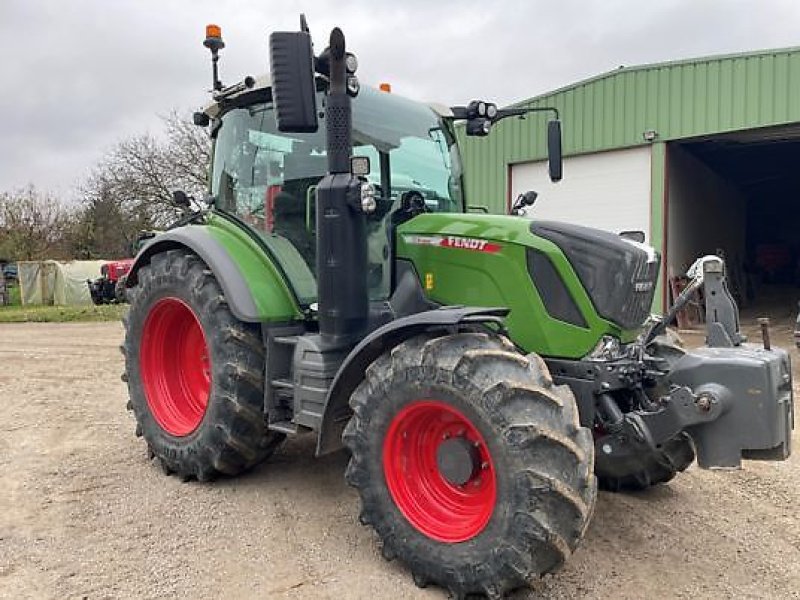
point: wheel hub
(175, 366)
(439, 471)
(458, 460)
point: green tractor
(485, 372)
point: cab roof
(263, 83)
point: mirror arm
(460, 113)
(519, 112)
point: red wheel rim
(435, 506)
(175, 367)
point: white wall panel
(607, 190)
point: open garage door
(607, 190)
(739, 194)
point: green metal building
(703, 155)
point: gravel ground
(84, 514)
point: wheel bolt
(446, 436)
(484, 465)
(476, 483)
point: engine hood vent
(619, 276)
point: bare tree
(141, 172)
(131, 187)
(188, 152)
(104, 228)
(33, 225)
(130, 190)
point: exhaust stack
(342, 298)
(341, 224)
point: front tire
(195, 373)
(471, 465)
(675, 456)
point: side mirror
(529, 197)
(201, 119)
(180, 198)
(634, 236)
(523, 200)
(293, 92)
(554, 160)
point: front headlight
(608, 348)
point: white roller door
(607, 190)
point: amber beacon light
(214, 36)
(214, 43)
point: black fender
(198, 240)
(337, 408)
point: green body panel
(463, 276)
(273, 298)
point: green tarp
(58, 283)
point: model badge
(451, 241)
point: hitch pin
(764, 322)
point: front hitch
(734, 399)
(735, 403)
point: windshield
(268, 179)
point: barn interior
(739, 194)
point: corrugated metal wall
(678, 100)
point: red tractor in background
(110, 286)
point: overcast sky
(78, 75)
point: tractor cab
(268, 179)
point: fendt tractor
(486, 372)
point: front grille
(619, 277)
(636, 307)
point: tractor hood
(618, 275)
(566, 287)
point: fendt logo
(451, 241)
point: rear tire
(195, 373)
(530, 492)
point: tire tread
(233, 436)
(556, 488)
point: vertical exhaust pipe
(343, 303)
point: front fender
(253, 286)
(351, 373)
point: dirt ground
(84, 514)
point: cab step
(286, 427)
(282, 384)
